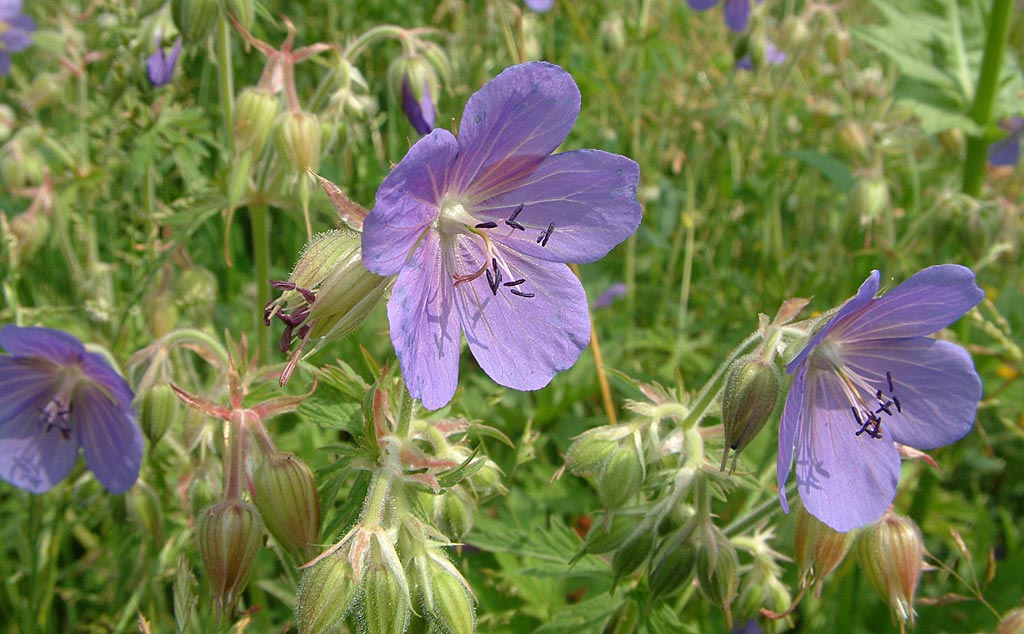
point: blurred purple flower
(478, 229)
(871, 377)
(56, 397)
(540, 6)
(420, 112)
(1006, 151)
(160, 65)
(15, 32)
(737, 12)
(608, 297)
(772, 56)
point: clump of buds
(818, 549)
(748, 399)
(285, 493)
(228, 534)
(891, 555)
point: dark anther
(494, 265)
(888, 379)
(516, 291)
(884, 407)
(493, 280)
(542, 239)
(869, 425)
(511, 221)
(516, 282)
(283, 285)
(896, 402)
(486, 225)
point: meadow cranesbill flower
(737, 12)
(478, 229)
(15, 32)
(1006, 151)
(772, 56)
(540, 6)
(419, 109)
(160, 65)
(871, 378)
(56, 397)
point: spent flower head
(15, 32)
(57, 397)
(737, 12)
(872, 378)
(478, 229)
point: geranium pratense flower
(737, 12)
(160, 65)
(1006, 151)
(56, 397)
(478, 229)
(870, 378)
(15, 32)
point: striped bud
(751, 389)
(384, 601)
(838, 45)
(671, 569)
(621, 477)
(327, 592)
(717, 565)
(285, 493)
(590, 450)
(194, 18)
(256, 111)
(818, 549)
(447, 599)
(160, 408)
(228, 535)
(633, 553)
(297, 139)
(891, 555)
(869, 199)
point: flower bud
(838, 45)
(8, 121)
(160, 310)
(869, 199)
(853, 139)
(144, 507)
(285, 493)
(717, 565)
(818, 549)
(486, 480)
(297, 138)
(256, 111)
(671, 568)
(608, 535)
(414, 82)
(21, 163)
(1012, 623)
(194, 18)
(621, 476)
(228, 534)
(327, 592)
(384, 602)
(243, 10)
(890, 553)
(195, 287)
(32, 229)
(748, 399)
(590, 450)
(793, 32)
(160, 408)
(953, 141)
(453, 513)
(633, 552)
(447, 599)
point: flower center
(867, 402)
(57, 411)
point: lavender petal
(737, 12)
(54, 345)
(788, 425)
(111, 441)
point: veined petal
(516, 119)
(38, 459)
(99, 371)
(926, 302)
(111, 440)
(864, 295)
(588, 197)
(54, 345)
(26, 385)
(935, 382)
(522, 342)
(787, 434)
(737, 12)
(407, 202)
(424, 327)
(845, 480)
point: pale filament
(468, 277)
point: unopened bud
(748, 399)
(194, 18)
(160, 309)
(255, 113)
(8, 121)
(384, 603)
(228, 535)
(327, 592)
(671, 568)
(453, 513)
(608, 535)
(297, 138)
(818, 549)
(717, 566)
(160, 408)
(487, 480)
(285, 493)
(414, 83)
(32, 229)
(590, 450)
(853, 139)
(869, 199)
(793, 32)
(621, 476)
(243, 10)
(195, 287)
(953, 141)
(21, 164)
(633, 552)
(447, 599)
(890, 553)
(625, 619)
(838, 45)
(144, 507)
(1012, 623)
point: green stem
(377, 498)
(405, 414)
(234, 457)
(985, 94)
(261, 254)
(225, 79)
(759, 512)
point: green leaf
(830, 167)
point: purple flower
(420, 111)
(160, 65)
(871, 377)
(772, 56)
(610, 294)
(54, 398)
(478, 229)
(1006, 151)
(539, 6)
(15, 32)
(737, 12)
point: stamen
(516, 291)
(888, 379)
(469, 277)
(511, 220)
(542, 239)
(896, 402)
(486, 225)
(516, 282)
(494, 281)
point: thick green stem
(377, 498)
(234, 457)
(225, 79)
(759, 512)
(985, 94)
(261, 254)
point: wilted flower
(54, 398)
(737, 12)
(15, 32)
(1006, 151)
(772, 57)
(871, 377)
(160, 65)
(478, 228)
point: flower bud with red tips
(891, 553)
(228, 535)
(285, 493)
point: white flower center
(453, 217)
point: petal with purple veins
(407, 202)
(56, 346)
(522, 342)
(424, 326)
(935, 382)
(788, 425)
(111, 441)
(925, 303)
(588, 196)
(847, 312)
(511, 123)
